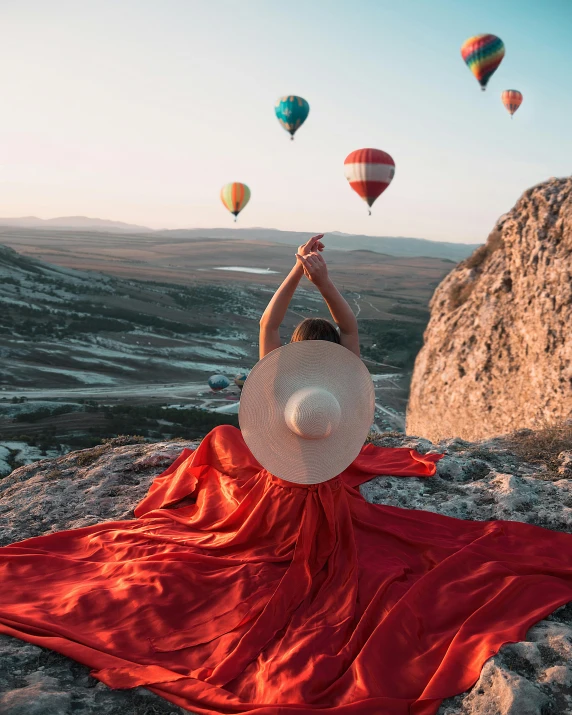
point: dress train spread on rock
(236, 592)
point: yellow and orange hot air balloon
(235, 196)
(512, 99)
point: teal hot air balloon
(218, 382)
(292, 113)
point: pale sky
(140, 110)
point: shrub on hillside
(543, 446)
(494, 242)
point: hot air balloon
(218, 382)
(369, 172)
(512, 99)
(291, 112)
(483, 54)
(235, 196)
(239, 380)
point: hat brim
(270, 384)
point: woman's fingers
(315, 259)
(313, 264)
(310, 243)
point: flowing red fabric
(272, 598)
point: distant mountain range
(74, 222)
(390, 245)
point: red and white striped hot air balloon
(369, 172)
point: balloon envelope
(235, 196)
(483, 54)
(291, 112)
(369, 171)
(512, 99)
(218, 382)
(239, 380)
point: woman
(255, 578)
(309, 262)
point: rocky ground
(485, 480)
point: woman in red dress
(256, 578)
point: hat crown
(312, 413)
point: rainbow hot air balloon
(512, 99)
(235, 196)
(292, 113)
(483, 54)
(218, 382)
(369, 172)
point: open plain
(122, 324)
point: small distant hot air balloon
(218, 382)
(291, 112)
(239, 380)
(369, 172)
(512, 99)
(235, 196)
(483, 54)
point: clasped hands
(312, 262)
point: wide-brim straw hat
(306, 409)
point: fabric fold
(135, 676)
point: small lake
(244, 269)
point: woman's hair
(315, 329)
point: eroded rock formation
(497, 353)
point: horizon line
(204, 228)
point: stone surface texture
(497, 352)
(478, 481)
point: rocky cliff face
(474, 481)
(497, 353)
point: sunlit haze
(141, 110)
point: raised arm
(275, 312)
(316, 270)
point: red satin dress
(261, 596)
